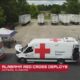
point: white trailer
(24, 19)
(79, 18)
(49, 50)
(65, 18)
(54, 19)
(41, 19)
(75, 19)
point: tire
(75, 54)
(22, 60)
(60, 61)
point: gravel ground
(34, 30)
(31, 31)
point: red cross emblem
(42, 51)
(56, 39)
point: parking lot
(34, 30)
(72, 74)
(31, 31)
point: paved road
(73, 74)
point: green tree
(10, 10)
(73, 6)
(63, 8)
(56, 9)
(2, 17)
(14, 8)
(23, 7)
(44, 7)
(34, 11)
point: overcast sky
(45, 2)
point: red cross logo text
(56, 39)
(42, 51)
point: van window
(29, 49)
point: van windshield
(29, 49)
(24, 47)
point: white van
(49, 50)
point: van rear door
(63, 50)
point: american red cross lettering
(56, 39)
(42, 51)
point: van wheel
(22, 60)
(75, 56)
(60, 61)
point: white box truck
(41, 19)
(75, 19)
(65, 18)
(54, 19)
(24, 19)
(49, 50)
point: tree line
(11, 9)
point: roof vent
(69, 39)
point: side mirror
(18, 48)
